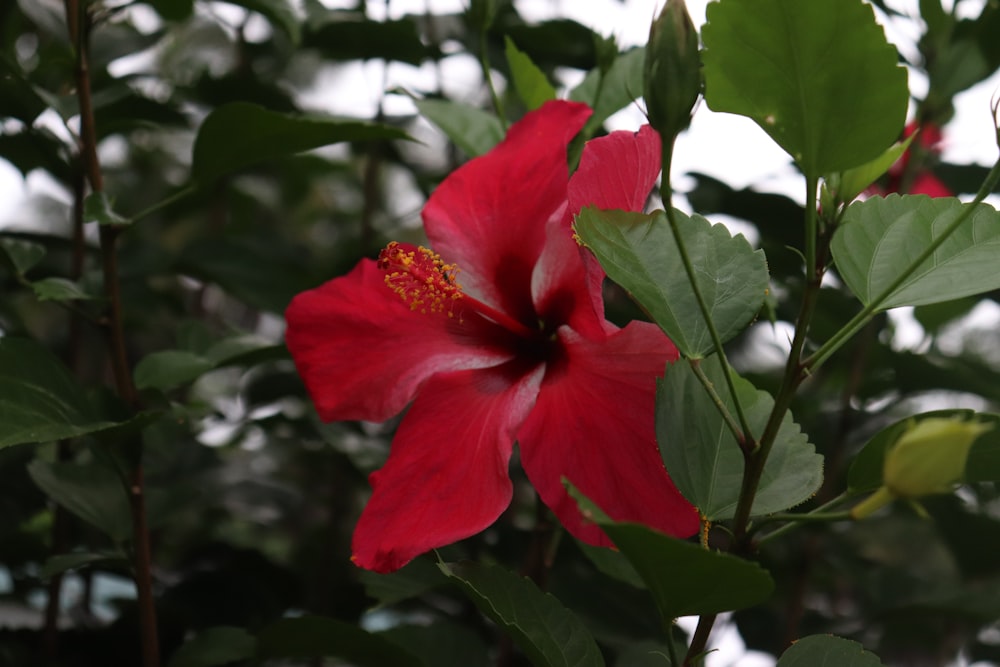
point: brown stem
(699, 641)
(795, 374)
(78, 22)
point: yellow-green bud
(673, 70)
(930, 456)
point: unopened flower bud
(672, 71)
(930, 457)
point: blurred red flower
(924, 182)
(508, 344)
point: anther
(420, 277)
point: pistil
(426, 283)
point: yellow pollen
(420, 277)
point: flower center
(427, 284)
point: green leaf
(613, 564)
(318, 637)
(819, 77)
(173, 10)
(168, 369)
(91, 491)
(281, 14)
(416, 578)
(35, 148)
(639, 253)
(530, 82)
(611, 91)
(710, 582)
(39, 400)
(98, 207)
(357, 38)
(258, 270)
(935, 316)
(18, 98)
(21, 255)
(983, 464)
(646, 654)
(827, 651)
(855, 180)
(239, 135)
(73, 561)
(221, 645)
(880, 237)
(548, 633)
(59, 289)
(473, 130)
(703, 458)
(441, 644)
(244, 349)
(557, 42)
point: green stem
(484, 64)
(727, 417)
(858, 321)
(744, 434)
(163, 203)
(796, 521)
(671, 649)
(794, 372)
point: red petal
(446, 477)
(489, 215)
(593, 424)
(363, 353)
(566, 286)
(929, 184)
(617, 171)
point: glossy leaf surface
(704, 459)
(819, 77)
(880, 237)
(711, 582)
(638, 252)
(548, 633)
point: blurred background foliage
(251, 499)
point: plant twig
(743, 435)
(720, 405)
(794, 374)
(699, 640)
(797, 520)
(78, 22)
(484, 65)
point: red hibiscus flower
(924, 181)
(505, 342)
